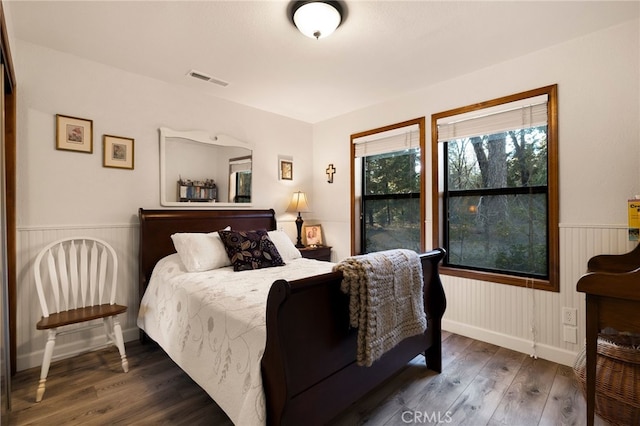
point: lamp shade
(298, 203)
(317, 19)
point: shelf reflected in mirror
(199, 170)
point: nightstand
(318, 253)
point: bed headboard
(157, 226)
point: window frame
(356, 196)
(552, 283)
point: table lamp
(299, 204)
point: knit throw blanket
(385, 300)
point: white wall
(599, 148)
(61, 187)
(61, 192)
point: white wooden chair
(76, 282)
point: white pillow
(285, 246)
(201, 251)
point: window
(495, 197)
(387, 187)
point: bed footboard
(309, 370)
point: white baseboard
(551, 353)
(34, 359)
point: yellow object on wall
(634, 219)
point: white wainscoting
(495, 313)
(29, 341)
(508, 316)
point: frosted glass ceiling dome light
(317, 19)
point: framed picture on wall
(312, 235)
(74, 134)
(118, 152)
(286, 170)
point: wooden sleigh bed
(309, 369)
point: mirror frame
(201, 137)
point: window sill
(535, 283)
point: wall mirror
(199, 170)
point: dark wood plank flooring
(481, 384)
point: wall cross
(330, 171)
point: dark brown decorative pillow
(250, 250)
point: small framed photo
(118, 152)
(74, 134)
(312, 235)
(286, 170)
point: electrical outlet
(570, 334)
(570, 316)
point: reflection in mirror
(197, 170)
(240, 180)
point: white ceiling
(382, 50)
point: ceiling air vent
(202, 76)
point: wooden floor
(481, 384)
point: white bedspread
(212, 324)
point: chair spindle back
(76, 274)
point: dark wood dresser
(613, 300)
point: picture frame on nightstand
(312, 235)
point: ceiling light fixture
(317, 19)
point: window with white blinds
(392, 141)
(240, 165)
(495, 199)
(515, 115)
(387, 188)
